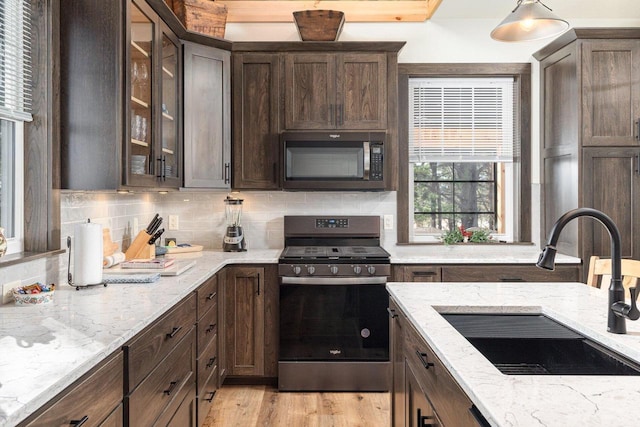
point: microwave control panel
(375, 173)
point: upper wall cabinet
(207, 117)
(336, 91)
(120, 97)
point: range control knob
(334, 270)
(311, 269)
(297, 270)
(357, 269)
(371, 269)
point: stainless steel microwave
(333, 160)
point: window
(464, 149)
(15, 104)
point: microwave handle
(367, 160)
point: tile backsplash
(201, 219)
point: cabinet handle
(423, 420)
(210, 398)
(423, 359)
(512, 279)
(637, 135)
(211, 296)
(392, 313)
(164, 168)
(172, 385)
(210, 328)
(424, 273)
(211, 362)
(160, 168)
(174, 331)
(227, 167)
(78, 423)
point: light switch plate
(6, 291)
(174, 223)
(388, 222)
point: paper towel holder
(70, 275)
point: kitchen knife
(156, 236)
(148, 229)
(155, 225)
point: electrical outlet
(388, 222)
(174, 222)
(6, 290)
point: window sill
(23, 257)
(466, 244)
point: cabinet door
(141, 168)
(170, 150)
(245, 317)
(611, 184)
(611, 92)
(397, 367)
(310, 91)
(207, 108)
(419, 412)
(361, 99)
(256, 95)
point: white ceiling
(567, 9)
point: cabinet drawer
(422, 274)
(151, 346)
(80, 400)
(115, 419)
(205, 397)
(449, 401)
(207, 363)
(510, 273)
(207, 295)
(160, 394)
(185, 415)
(207, 328)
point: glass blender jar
(234, 237)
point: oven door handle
(377, 280)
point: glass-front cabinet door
(140, 165)
(153, 151)
(170, 94)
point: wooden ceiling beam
(354, 10)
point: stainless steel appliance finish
(336, 160)
(334, 330)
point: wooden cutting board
(176, 269)
(183, 249)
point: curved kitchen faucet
(618, 309)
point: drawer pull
(211, 362)
(512, 279)
(78, 423)
(424, 273)
(424, 420)
(174, 332)
(392, 313)
(211, 296)
(210, 328)
(172, 385)
(210, 398)
(423, 359)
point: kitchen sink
(534, 344)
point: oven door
(334, 319)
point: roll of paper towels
(87, 254)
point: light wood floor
(249, 406)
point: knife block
(140, 248)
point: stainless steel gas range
(334, 328)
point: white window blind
(15, 63)
(462, 120)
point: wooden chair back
(600, 272)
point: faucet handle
(634, 313)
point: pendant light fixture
(530, 20)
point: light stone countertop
(490, 253)
(45, 348)
(527, 400)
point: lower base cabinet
(423, 393)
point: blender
(234, 237)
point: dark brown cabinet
(256, 111)
(417, 273)
(122, 130)
(336, 91)
(485, 273)
(207, 117)
(251, 321)
(78, 402)
(423, 392)
(590, 109)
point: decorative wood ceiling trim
(354, 10)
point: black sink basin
(533, 344)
